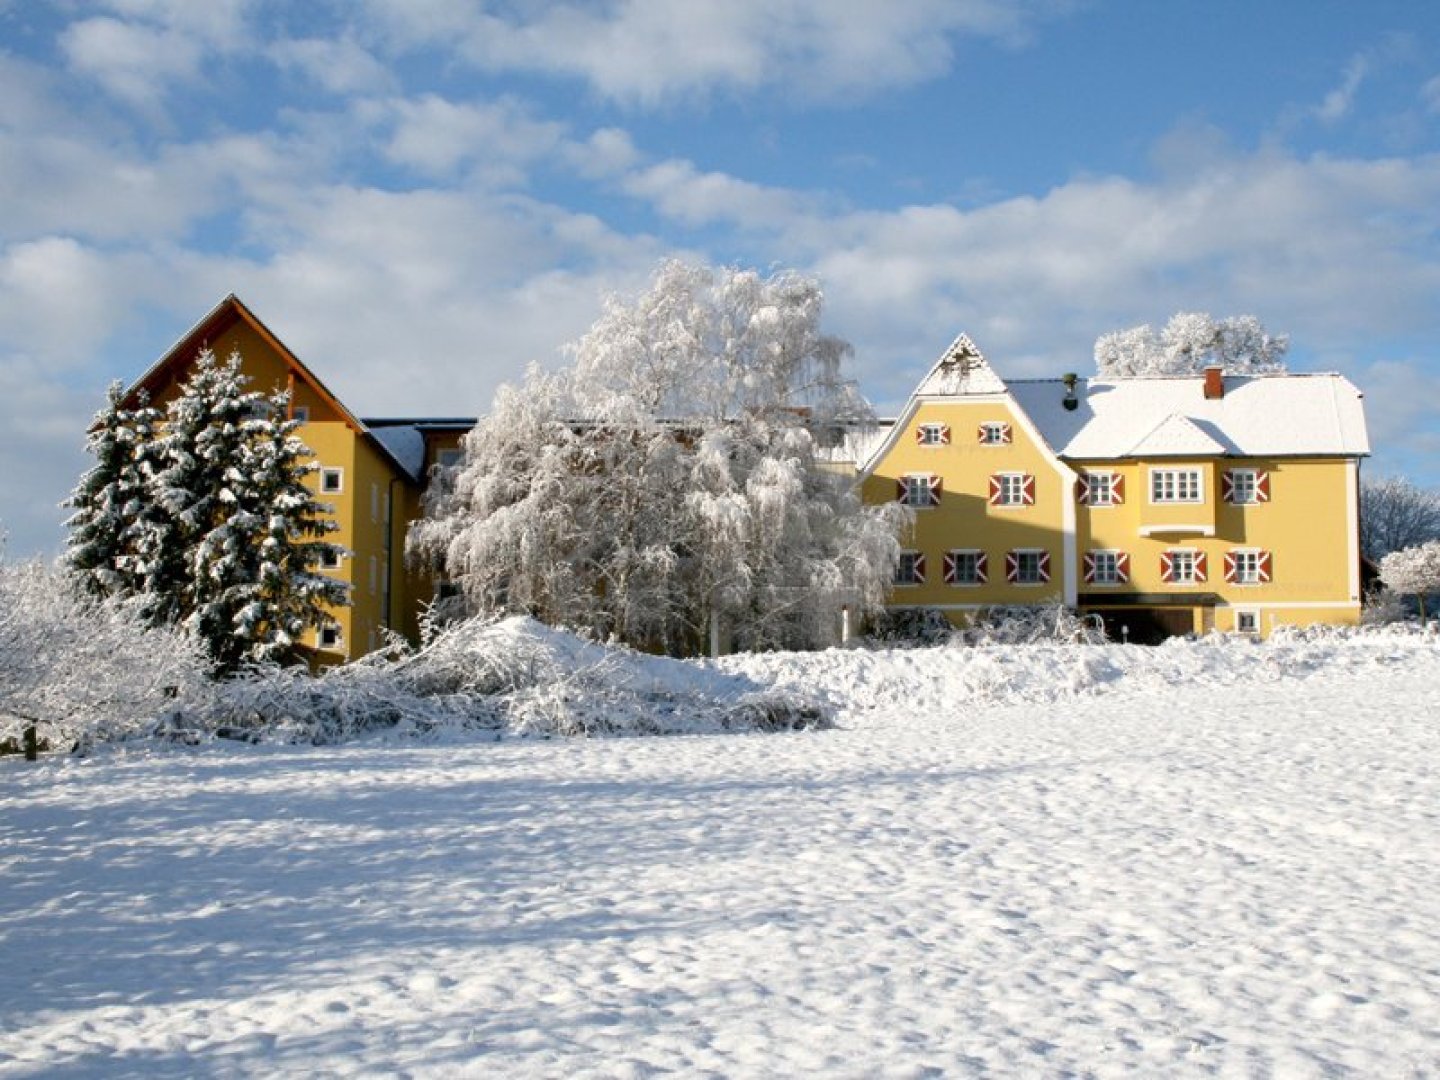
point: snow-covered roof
(962, 369)
(405, 445)
(1259, 415)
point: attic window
(300, 413)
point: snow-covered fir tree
(108, 499)
(221, 534)
(1190, 342)
(672, 476)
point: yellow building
(372, 474)
(1165, 505)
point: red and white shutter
(1167, 567)
(1089, 569)
(1012, 567)
(1006, 435)
(948, 568)
(920, 435)
(1082, 489)
(1201, 566)
(1122, 566)
(1227, 486)
(902, 489)
(1117, 488)
(1232, 567)
(944, 434)
(982, 572)
(919, 569)
(1027, 490)
(1044, 566)
(934, 484)
(1265, 568)
(1262, 486)
(997, 490)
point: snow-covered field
(1188, 861)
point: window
(1027, 566)
(1182, 566)
(911, 570)
(1246, 487)
(449, 457)
(300, 413)
(994, 433)
(1248, 566)
(330, 558)
(933, 435)
(1175, 486)
(965, 568)
(1012, 489)
(919, 489)
(330, 636)
(1247, 621)
(332, 480)
(1107, 567)
(1101, 488)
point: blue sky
(423, 196)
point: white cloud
(499, 139)
(133, 62)
(680, 191)
(340, 67)
(647, 51)
(1430, 95)
(1340, 101)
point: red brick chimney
(1214, 382)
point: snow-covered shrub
(1382, 607)
(515, 675)
(1047, 624)
(82, 669)
(1413, 571)
(911, 626)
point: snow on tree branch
(1190, 342)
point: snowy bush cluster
(1413, 571)
(84, 669)
(1049, 624)
(1190, 342)
(515, 677)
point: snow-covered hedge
(1050, 624)
(516, 676)
(84, 670)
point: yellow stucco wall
(965, 519)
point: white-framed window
(332, 480)
(1104, 567)
(1182, 566)
(1248, 566)
(1246, 487)
(1027, 566)
(911, 569)
(330, 558)
(932, 435)
(1012, 489)
(994, 433)
(919, 489)
(1101, 488)
(965, 566)
(1247, 621)
(330, 636)
(300, 413)
(448, 457)
(1175, 486)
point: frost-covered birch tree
(1190, 342)
(1396, 514)
(672, 476)
(202, 516)
(1413, 571)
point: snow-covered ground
(1197, 860)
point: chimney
(1214, 382)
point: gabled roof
(170, 367)
(1277, 415)
(1175, 436)
(961, 369)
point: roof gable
(961, 370)
(1176, 436)
(170, 368)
